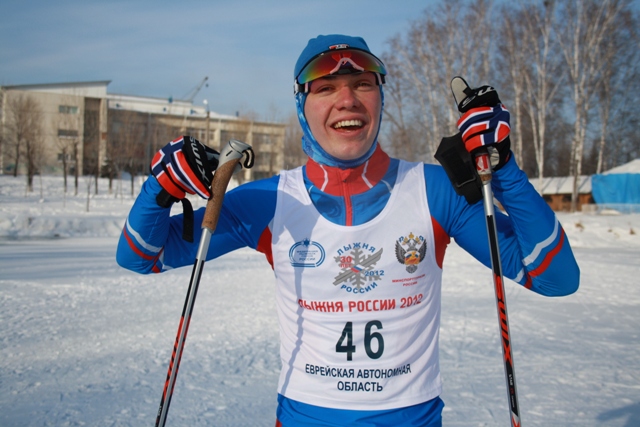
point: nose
(347, 98)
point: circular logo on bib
(306, 254)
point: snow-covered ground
(84, 342)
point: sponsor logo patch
(306, 253)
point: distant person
(356, 240)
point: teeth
(347, 123)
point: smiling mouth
(349, 124)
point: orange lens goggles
(341, 61)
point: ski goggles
(343, 61)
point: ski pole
(467, 98)
(483, 166)
(232, 153)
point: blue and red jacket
(534, 249)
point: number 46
(350, 348)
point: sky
(247, 48)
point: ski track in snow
(84, 342)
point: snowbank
(85, 342)
(49, 213)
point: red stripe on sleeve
(135, 249)
(547, 260)
(529, 283)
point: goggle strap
(297, 87)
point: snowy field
(86, 343)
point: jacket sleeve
(534, 249)
(151, 240)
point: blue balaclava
(315, 49)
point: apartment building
(86, 127)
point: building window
(67, 133)
(67, 109)
(226, 135)
(262, 139)
(66, 157)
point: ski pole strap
(166, 200)
(187, 220)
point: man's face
(343, 112)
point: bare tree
(512, 54)
(126, 148)
(17, 128)
(621, 142)
(34, 147)
(588, 26)
(451, 40)
(91, 140)
(544, 77)
(24, 134)
(75, 155)
(68, 122)
(560, 59)
(132, 141)
(401, 135)
(619, 79)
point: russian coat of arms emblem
(410, 251)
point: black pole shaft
(230, 155)
(183, 328)
(484, 170)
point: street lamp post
(206, 137)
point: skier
(356, 240)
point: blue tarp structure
(618, 185)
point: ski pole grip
(232, 153)
(483, 164)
